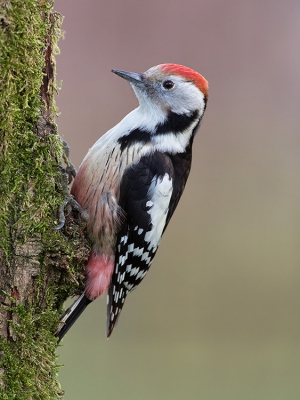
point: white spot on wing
(145, 257)
(134, 271)
(141, 274)
(130, 248)
(124, 240)
(128, 268)
(128, 286)
(138, 251)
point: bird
(130, 182)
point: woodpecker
(131, 180)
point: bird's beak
(133, 77)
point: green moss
(28, 163)
(30, 369)
(30, 195)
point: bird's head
(169, 87)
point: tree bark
(39, 267)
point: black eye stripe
(168, 84)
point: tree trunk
(38, 266)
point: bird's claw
(61, 212)
(68, 205)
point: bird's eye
(168, 84)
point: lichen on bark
(39, 267)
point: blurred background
(218, 315)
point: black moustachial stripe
(136, 136)
(176, 123)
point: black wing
(149, 193)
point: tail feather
(71, 315)
(115, 301)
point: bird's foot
(66, 207)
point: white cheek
(187, 98)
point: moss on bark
(38, 266)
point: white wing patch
(159, 194)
